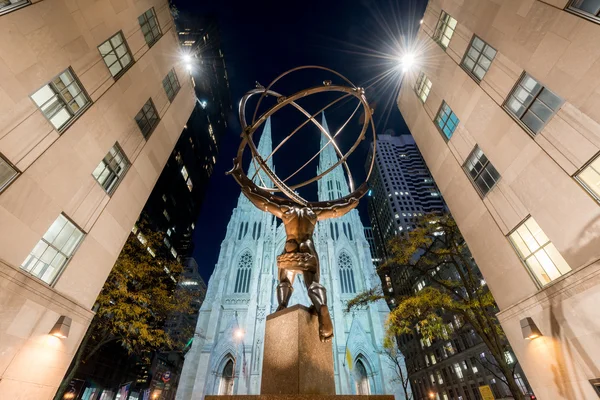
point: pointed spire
(334, 184)
(265, 147)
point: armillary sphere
(346, 89)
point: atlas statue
(298, 215)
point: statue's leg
(285, 289)
(318, 295)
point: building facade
(504, 108)
(86, 128)
(241, 293)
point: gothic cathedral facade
(241, 293)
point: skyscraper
(86, 128)
(402, 189)
(241, 293)
(505, 112)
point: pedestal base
(295, 360)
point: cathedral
(226, 354)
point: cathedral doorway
(362, 379)
(227, 381)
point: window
(509, 357)
(458, 371)
(49, 257)
(7, 6)
(8, 173)
(166, 214)
(149, 26)
(173, 252)
(446, 121)
(362, 379)
(532, 103)
(111, 169)
(227, 381)
(423, 87)
(242, 280)
(61, 100)
(171, 84)
(116, 54)
(346, 273)
(537, 251)
(444, 29)
(147, 118)
(589, 177)
(478, 58)
(589, 8)
(481, 171)
(184, 173)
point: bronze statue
(298, 215)
(299, 253)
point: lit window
(7, 6)
(149, 26)
(116, 54)
(49, 257)
(478, 58)
(184, 173)
(590, 8)
(167, 243)
(173, 252)
(111, 169)
(151, 252)
(444, 29)
(509, 357)
(422, 87)
(540, 255)
(532, 103)
(189, 184)
(171, 85)
(458, 371)
(589, 177)
(446, 121)
(7, 173)
(141, 238)
(166, 214)
(61, 100)
(169, 232)
(147, 118)
(481, 172)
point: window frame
(438, 29)
(171, 98)
(75, 116)
(581, 183)
(68, 261)
(125, 68)
(580, 13)
(420, 84)
(106, 166)
(472, 180)
(147, 21)
(518, 119)
(438, 114)
(531, 273)
(153, 127)
(471, 73)
(4, 186)
(14, 7)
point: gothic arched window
(242, 280)
(226, 384)
(362, 379)
(346, 273)
(349, 231)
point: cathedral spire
(265, 147)
(334, 184)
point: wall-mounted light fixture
(61, 327)
(529, 329)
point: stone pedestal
(295, 361)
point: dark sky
(262, 39)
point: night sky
(262, 39)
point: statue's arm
(263, 202)
(336, 210)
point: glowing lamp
(529, 329)
(61, 327)
(421, 22)
(188, 66)
(407, 61)
(238, 333)
(187, 58)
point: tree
(137, 297)
(395, 357)
(435, 251)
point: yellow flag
(349, 358)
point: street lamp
(407, 61)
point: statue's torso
(299, 223)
